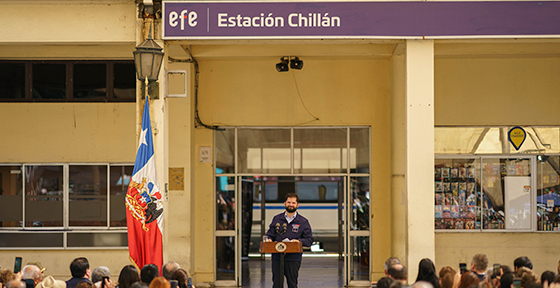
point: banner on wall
(340, 20)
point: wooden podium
(282, 248)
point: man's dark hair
(506, 280)
(148, 273)
(385, 282)
(390, 262)
(79, 267)
(291, 195)
(139, 285)
(523, 262)
(548, 276)
(506, 269)
(397, 272)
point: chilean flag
(144, 206)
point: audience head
(422, 284)
(128, 276)
(79, 268)
(390, 262)
(138, 285)
(506, 269)
(85, 284)
(160, 282)
(469, 279)
(447, 277)
(479, 263)
(547, 276)
(40, 266)
(16, 284)
(6, 275)
(385, 282)
(398, 272)
(32, 272)
(527, 276)
(50, 282)
(557, 279)
(181, 276)
(99, 272)
(522, 262)
(506, 281)
(169, 268)
(534, 285)
(427, 272)
(148, 273)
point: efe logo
(190, 18)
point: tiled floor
(314, 272)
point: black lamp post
(147, 60)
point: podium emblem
(280, 247)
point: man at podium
(288, 226)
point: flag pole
(146, 85)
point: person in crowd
(182, 277)
(534, 285)
(50, 282)
(139, 285)
(85, 285)
(447, 277)
(399, 273)
(422, 284)
(40, 266)
(522, 262)
(469, 279)
(479, 263)
(32, 272)
(505, 269)
(159, 282)
(128, 276)
(148, 273)
(79, 268)
(557, 279)
(385, 282)
(548, 276)
(390, 262)
(98, 274)
(16, 284)
(427, 272)
(6, 275)
(506, 281)
(527, 276)
(169, 268)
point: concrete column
(413, 154)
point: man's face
(291, 204)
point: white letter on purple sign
(183, 19)
(173, 19)
(192, 18)
(222, 18)
(290, 19)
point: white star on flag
(143, 138)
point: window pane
(124, 81)
(225, 252)
(225, 144)
(90, 80)
(264, 150)
(506, 194)
(457, 193)
(359, 258)
(225, 204)
(548, 198)
(49, 81)
(31, 239)
(359, 150)
(43, 196)
(120, 177)
(320, 150)
(97, 240)
(359, 186)
(88, 195)
(12, 80)
(11, 201)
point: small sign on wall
(204, 155)
(176, 178)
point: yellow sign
(517, 136)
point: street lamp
(147, 60)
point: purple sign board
(359, 20)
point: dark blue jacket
(299, 229)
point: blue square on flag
(146, 197)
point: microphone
(277, 229)
(284, 228)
